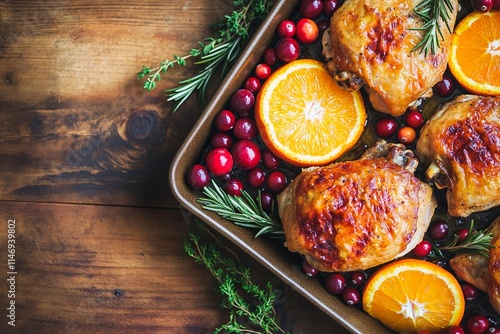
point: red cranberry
(286, 28)
(270, 57)
(322, 26)
(311, 8)
(288, 49)
(422, 249)
(482, 6)
(277, 181)
(386, 127)
(335, 283)
(224, 120)
(470, 291)
(445, 87)
(414, 119)
(252, 84)
(351, 295)
(270, 160)
(357, 278)
(256, 177)
(330, 6)
(308, 270)
(245, 128)
(438, 229)
(477, 324)
(262, 71)
(497, 5)
(233, 187)
(462, 233)
(307, 31)
(219, 161)
(267, 199)
(242, 102)
(453, 330)
(246, 154)
(198, 176)
(221, 139)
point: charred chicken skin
(462, 141)
(370, 43)
(358, 214)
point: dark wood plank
(100, 269)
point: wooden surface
(84, 155)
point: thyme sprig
(476, 242)
(241, 210)
(214, 52)
(431, 12)
(247, 302)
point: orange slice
(474, 57)
(304, 117)
(411, 295)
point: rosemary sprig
(476, 242)
(213, 53)
(431, 11)
(247, 302)
(241, 210)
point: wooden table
(84, 156)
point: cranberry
(438, 229)
(351, 295)
(270, 160)
(234, 187)
(322, 26)
(335, 283)
(308, 270)
(224, 120)
(493, 330)
(263, 71)
(470, 291)
(414, 119)
(477, 324)
(330, 6)
(482, 6)
(424, 331)
(497, 5)
(453, 330)
(357, 278)
(406, 135)
(422, 249)
(311, 8)
(267, 199)
(386, 127)
(445, 87)
(277, 181)
(221, 139)
(307, 31)
(286, 28)
(246, 154)
(245, 128)
(252, 84)
(288, 49)
(256, 177)
(219, 161)
(198, 176)
(270, 57)
(242, 102)
(462, 233)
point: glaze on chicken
(358, 214)
(462, 141)
(370, 44)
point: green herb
(247, 302)
(431, 12)
(241, 210)
(213, 52)
(476, 242)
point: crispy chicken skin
(480, 271)
(462, 141)
(370, 42)
(355, 215)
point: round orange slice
(474, 57)
(304, 117)
(411, 295)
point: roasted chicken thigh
(370, 43)
(462, 141)
(358, 214)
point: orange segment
(474, 57)
(304, 117)
(411, 295)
